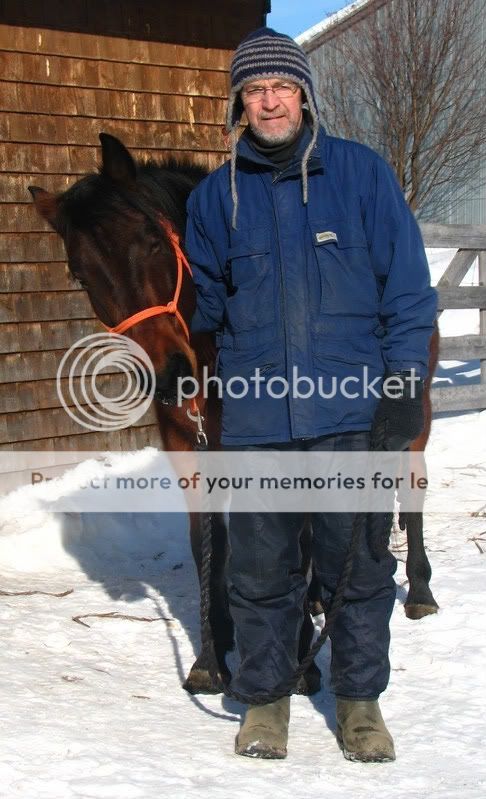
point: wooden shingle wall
(58, 90)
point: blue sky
(295, 16)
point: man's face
(273, 119)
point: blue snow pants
(267, 591)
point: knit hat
(266, 54)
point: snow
(98, 711)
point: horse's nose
(177, 368)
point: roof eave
(330, 27)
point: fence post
(482, 312)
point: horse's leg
(310, 682)
(212, 656)
(314, 595)
(178, 435)
(420, 601)
(221, 621)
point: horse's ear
(46, 204)
(117, 162)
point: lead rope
(207, 642)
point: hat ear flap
(237, 109)
(234, 111)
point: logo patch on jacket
(325, 236)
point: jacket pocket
(350, 370)
(347, 282)
(251, 299)
(349, 352)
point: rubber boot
(361, 731)
(264, 732)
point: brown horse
(123, 256)
(121, 250)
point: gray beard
(277, 138)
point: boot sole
(356, 757)
(258, 750)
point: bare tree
(409, 80)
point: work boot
(361, 731)
(265, 730)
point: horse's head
(120, 251)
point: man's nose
(270, 100)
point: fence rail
(471, 243)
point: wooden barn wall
(58, 90)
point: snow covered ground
(98, 711)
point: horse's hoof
(200, 681)
(309, 683)
(418, 611)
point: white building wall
(468, 205)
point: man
(305, 255)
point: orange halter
(171, 307)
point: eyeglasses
(255, 94)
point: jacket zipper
(275, 178)
(284, 300)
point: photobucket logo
(102, 363)
(298, 387)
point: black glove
(399, 418)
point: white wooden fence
(471, 243)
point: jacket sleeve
(408, 303)
(207, 273)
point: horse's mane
(160, 188)
(171, 183)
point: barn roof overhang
(215, 24)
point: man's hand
(399, 418)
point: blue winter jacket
(335, 291)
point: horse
(121, 229)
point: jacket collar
(245, 152)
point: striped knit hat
(266, 54)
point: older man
(306, 256)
